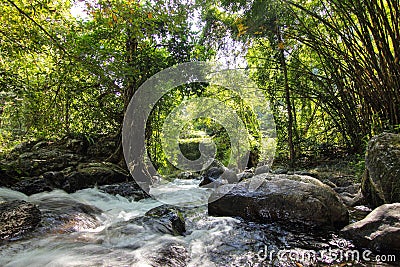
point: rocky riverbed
(63, 204)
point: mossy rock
(381, 180)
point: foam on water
(119, 240)
(111, 244)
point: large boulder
(17, 218)
(379, 231)
(381, 183)
(61, 216)
(291, 199)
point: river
(116, 239)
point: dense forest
(328, 68)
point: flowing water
(114, 238)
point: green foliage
(337, 66)
(63, 76)
(332, 65)
(201, 129)
(358, 165)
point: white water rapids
(118, 240)
(116, 244)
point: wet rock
(56, 179)
(379, 231)
(7, 175)
(211, 176)
(331, 184)
(351, 195)
(343, 180)
(218, 175)
(17, 218)
(130, 190)
(208, 182)
(214, 172)
(381, 183)
(61, 214)
(167, 219)
(358, 212)
(214, 163)
(164, 219)
(91, 174)
(34, 185)
(171, 255)
(35, 167)
(286, 198)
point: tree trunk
(129, 91)
(288, 101)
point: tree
(265, 19)
(349, 69)
(79, 75)
(358, 47)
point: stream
(119, 240)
